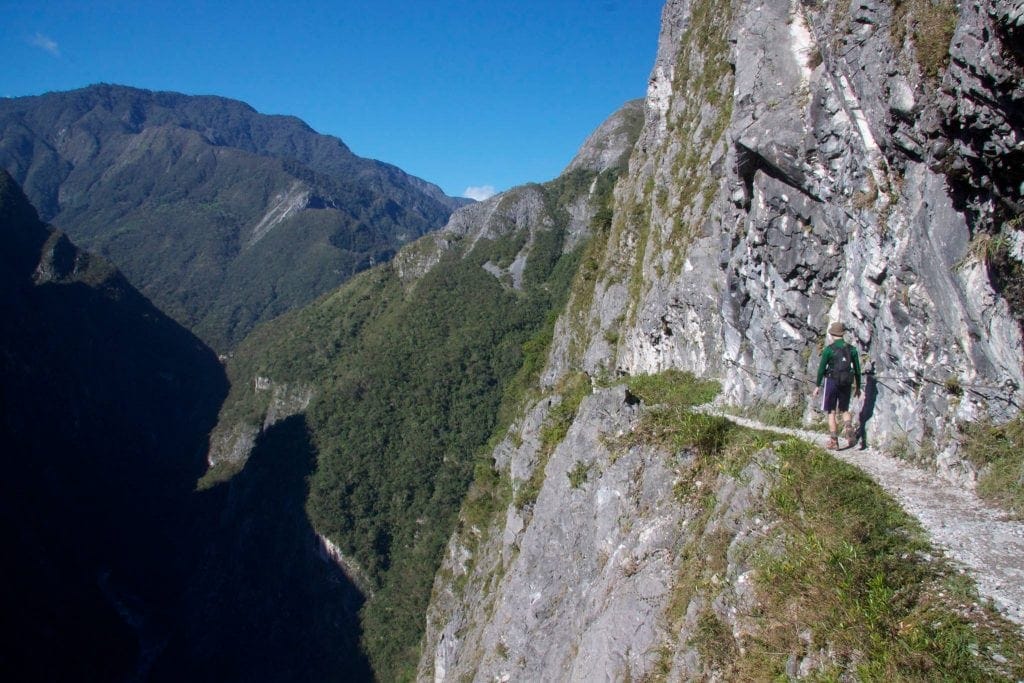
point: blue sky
(463, 94)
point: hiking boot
(832, 443)
(850, 435)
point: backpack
(840, 365)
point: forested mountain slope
(222, 216)
(404, 373)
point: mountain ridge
(221, 215)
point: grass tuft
(858, 574)
(579, 474)
(771, 414)
(674, 387)
(930, 24)
(997, 451)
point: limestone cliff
(802, 163)
(799, 163)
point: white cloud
(480, 193)
(46, 43)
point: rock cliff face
(577, 583)
(799, 163)
(804, 163)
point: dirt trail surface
(987, 542)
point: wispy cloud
(480, 193)
(44, 42)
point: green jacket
(826, 356)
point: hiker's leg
(828, 404)
(843, 406)
(848, 432)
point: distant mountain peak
(611, 144)
(224, 217)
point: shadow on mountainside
(115, 568)
(867, 409)
(263, 605)
(105, 407)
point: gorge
(506, 452)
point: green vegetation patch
(770, 414)
(856, 573)
(674, 388)
(579, 474)
(556, 425)
(997, 451)
(572, 389)
(930, 25)
(489, 495)
(714, 642)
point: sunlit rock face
(801, 164)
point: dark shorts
(836, 397)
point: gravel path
(984, 540)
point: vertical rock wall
(809, 162)
(799, 163)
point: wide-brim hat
(836, 329)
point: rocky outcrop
(578, 581)
(232, 441)
(612, 143)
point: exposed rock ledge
(231, 443)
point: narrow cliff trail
(985, 541)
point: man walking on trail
(840, 369)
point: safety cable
(1009, 387)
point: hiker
(840, 368)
